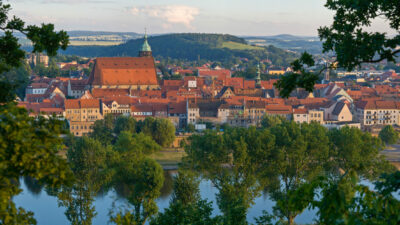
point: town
(208, 96)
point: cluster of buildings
(129, 86)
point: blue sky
(238, 17)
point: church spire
(258, 79)
(145, 51)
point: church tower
(145, 51)
(258, 79)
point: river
(47, 212)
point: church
(127, 73)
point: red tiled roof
(100, 93)
(220, 74)
(39, 85)
(377, 104)
(177, 108)
(82, 103)
(300, 111)
(124, 71)
(279, 109)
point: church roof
(124, 71)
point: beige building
(377, 112)
(81, 114)
(116, 106)
(303, 115)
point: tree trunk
(290, 220)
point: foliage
(198, 213)
(231, 161)
(28, 147)
(300, 78)
(88, 161)
(162, 130)
(18, 77)
(349, 39)
(352, 149)
(298, 157)
(138, 143)
(125, 123)
(388, 135)
(43, 38)
(190, 128)
(186, 207)
(186, 187)
(347, 202)
(348, 36)
(146, 179)
(103, 130)
(269, 121)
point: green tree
(190, 128)
(125, 123)
(29, 147)
(348, 37)
(138, 143)
(88, 161)
(269, 121)
(388, 135)
(186, 206)
(146, 179)
(347, 202)
(298, 157)
(20, 77)
(103, 130)
(354, 150)
(43, 38)
(162, 130)
(231, 161)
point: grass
(168, 157)
(239, 46)
(99, 43)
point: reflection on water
(44, 203)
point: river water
(47, 212)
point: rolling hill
(289, 42)
(190, 46)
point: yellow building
(81, 114)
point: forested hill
(214, 47)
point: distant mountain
(84, 38)
(190, 46)
(289, 42)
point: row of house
(129, 86)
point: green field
(98, 43)
(168, 158)
(239, 46)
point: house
(377, 113)
(81, 114)
(339, 112)
(76, 88)
(177, 114)
(36, 88)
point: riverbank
(169, 158)
(392, 154)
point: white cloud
(172, 14)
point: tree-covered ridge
(190, 46)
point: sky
(237, 17)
